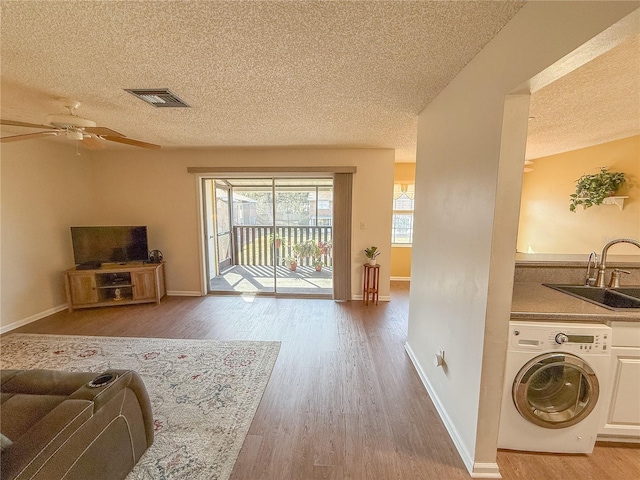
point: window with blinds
(402, 226)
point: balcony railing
(253, 245)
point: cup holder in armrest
(102, 380)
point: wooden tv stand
(114, 284)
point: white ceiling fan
(75, 128)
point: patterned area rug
(203, 393)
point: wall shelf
(615, 200)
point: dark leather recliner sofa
(58, 425)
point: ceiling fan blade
(130, 141)
(103, 131)
(28, 136)
(22, 124)
(92, 143)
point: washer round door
(555, 390)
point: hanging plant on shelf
(593, 189)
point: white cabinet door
(623, 395)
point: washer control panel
(580, 338)
(593, 343)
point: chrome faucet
(603, 258)
(591, 280)
(615, 277)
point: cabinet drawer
(625, 334)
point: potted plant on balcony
(325, 248)
(318, 250)
(593, 189)
(292, 263)
(371, 253)
(275, 239)
(298, 251)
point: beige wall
(547, 225)
(404, 172)
(401, 256)
(46, 188)
(470, 152)
(401, 263)
(154, 188)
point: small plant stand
(371, 282)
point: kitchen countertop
(534, 301)
(564, 260)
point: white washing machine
(555, 382)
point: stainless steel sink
(623, 298)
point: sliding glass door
(280, 236)
(252, 235)
(303, 221)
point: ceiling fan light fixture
(64, 120)
(74, 135)
(74, 128)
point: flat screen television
(113, 244)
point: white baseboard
(184, 293)
(476, 470)
(32, 318)
(485, 470)
(400, 279)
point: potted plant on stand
(371, 253)
(593, 189)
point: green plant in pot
(292, 263)
(371, 253)
(593, 189)
(276, 239)
(299, 250)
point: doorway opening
(269, 236)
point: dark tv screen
(116, 244)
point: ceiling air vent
(158, 97)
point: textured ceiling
(350, 74)
(255, 73)
(596, 103)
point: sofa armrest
(115, 418)
(122, 379)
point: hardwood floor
(343, 401)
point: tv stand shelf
(115, 284)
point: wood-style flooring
(343, 401)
